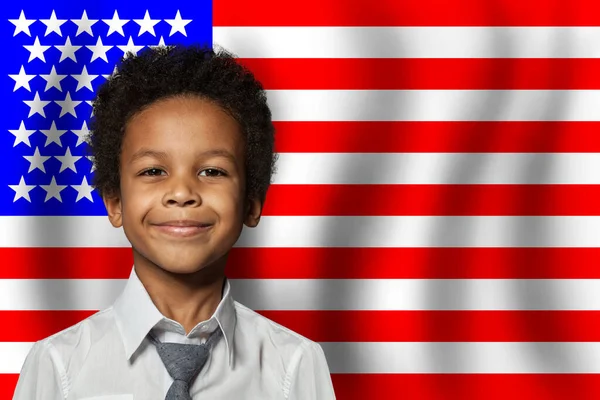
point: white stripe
(435, 105)
(425, 357)
(424, 231)
(418, 294)
(311, 231)
(409, 42)
(330, 294)
(13, 356)
(494, 357)
(61, 231)
(59, 294)
(437, 168)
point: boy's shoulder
(93, 325)
(78, 338)
(253, 323)
(56, 358)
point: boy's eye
(153, 172)
(212, 172)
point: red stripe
(406, 13)
(31, 326)
(384, 326)
(467, 386)
(412, 73)
(324, 263)
(382, 200)
(415, 263)
(444, 137)
(65, 263)
(442, 326)
(8, 382)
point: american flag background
(433, 222)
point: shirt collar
(136, 315)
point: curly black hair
(170, 71)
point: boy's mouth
(183, 228)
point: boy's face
(182, 200)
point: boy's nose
(182, 192)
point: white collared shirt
(108, 356)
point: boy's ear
(252, 212)
(113, 207)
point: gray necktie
(184, 362)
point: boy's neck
(186, 298)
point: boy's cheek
(139, 197)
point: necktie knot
(183, 362)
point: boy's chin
(194, 265)
(180, 263)
(183, 269)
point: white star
(53, 190)
(53, 24)
(67, 50)
(22, 80)
(115, 70)
(99, 50)
(84, 24)
(178, 24)
(68, 161)
(53, 135)
(83, 190)
(130, 47)
(84, 79)
(36, 106)
(36, 161)
(115, 24)
(22, 134)
(161, 43)
(146, 24)
(91, 158)
(22, 24)
(22, 190)
(82, 133)
(36, 50)
(67, 105)
(53, 79)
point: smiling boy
(183, 147)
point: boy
(183, 147)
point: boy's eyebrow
(161, 155)
(218, 153)
(143, 152)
